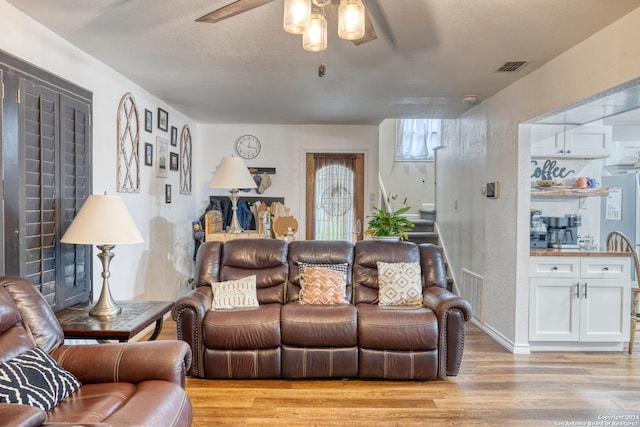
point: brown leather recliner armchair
(124, 384)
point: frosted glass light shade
(232, 173)
(297, 14)
(351, 19)
(102, 220)
(315, 38)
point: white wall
(413, 180)
(284, 147)
(145, 271)
(490, 237)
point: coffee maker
(538, 230)
(562, 232)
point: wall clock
(248, 146)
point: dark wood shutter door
(39, 109)
(75, 269)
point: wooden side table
(76, 322)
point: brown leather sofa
(285, 339)
(135, 384)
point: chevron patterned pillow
(34, 378)
(303, 267)
(323, 286)
(399, 284)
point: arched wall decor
(128, 145)
(185, 160)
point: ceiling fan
(329, 7)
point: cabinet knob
(606, 268)
(554, 268)
(568, 151)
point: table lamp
(105, 222)
(233, 175)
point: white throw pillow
(399, 284)
(231, 294)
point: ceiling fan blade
(232, 9)
(331, 11)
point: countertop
(575, 252)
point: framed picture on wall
(167, 193)
(174, 136)
(173, 163)
(162, 157)
(148, 120)
(163, 119)
(148, 154)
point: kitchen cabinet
(590, 141)
(579, 303)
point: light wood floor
(494, 388)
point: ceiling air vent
(512, 66)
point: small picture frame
(173, 164)
(163, 120)
(148, 154)
(162, 157)
(167, 193)
(148, 120)
(174, 136)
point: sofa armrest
(13, 414)
(126, 362)
(452, 312)
(189, 312)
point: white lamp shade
(102, 220)
(232, 173)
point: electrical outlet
(582, 202)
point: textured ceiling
(247, 69)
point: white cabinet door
(554, 312)
(547, 141)
(588, 141)
(604, 310)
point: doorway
(335, 196)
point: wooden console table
(76, 322)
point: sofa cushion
(409, 329)
(34, 378)
(231, 294)
(399, 284)
(242, 330)
(324, 286)
(319, 325)
(304, 267)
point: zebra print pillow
(34, 378)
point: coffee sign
(549, 170)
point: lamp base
(234, 227)
(105, 306)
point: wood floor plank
(494, 388)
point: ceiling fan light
(315, 38)
(351, 19)
(297, 16)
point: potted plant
(389, 223)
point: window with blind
(46, 152)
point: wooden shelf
(568, 192)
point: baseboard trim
(501, 339)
